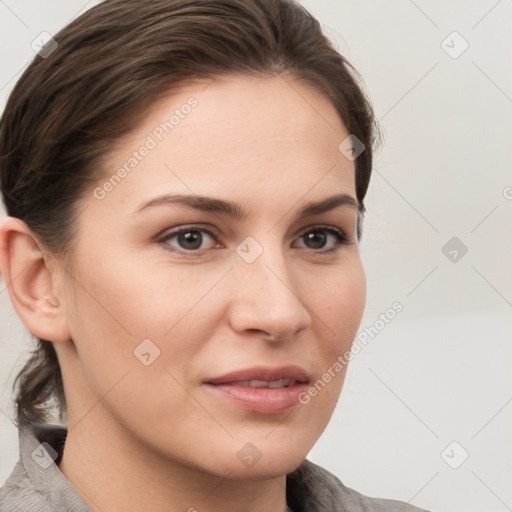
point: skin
(152, 437)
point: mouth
(261, 390)
(274, 384)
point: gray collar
(39, 463)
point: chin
(262, 456)
(268, 467)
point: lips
(281, 383)
(261, 389)
(263, 374)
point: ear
(28, 278)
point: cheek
(340, 308)
(134, 295)
(340, 305)
(120, 302)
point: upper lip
(263, 373)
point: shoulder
(19, 495)
(36, 484)
(311, 487)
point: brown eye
(188, 239)
(318, 237)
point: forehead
(235, 136)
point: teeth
(258, 383)
(282, 383)
(279, 383)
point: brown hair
(71, 105)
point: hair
(72, 104)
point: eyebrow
(232, 209)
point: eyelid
(345, 238)
(331, 227)
(172, 232)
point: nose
(266, 297)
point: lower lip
(260, 400)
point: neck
(113, 471)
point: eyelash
(341, 238)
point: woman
(185, 185)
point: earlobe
(28, 278)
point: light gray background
(441, 370)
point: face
(179, 312)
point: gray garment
(36, 483)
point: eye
(318, 237)
(189, 239)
